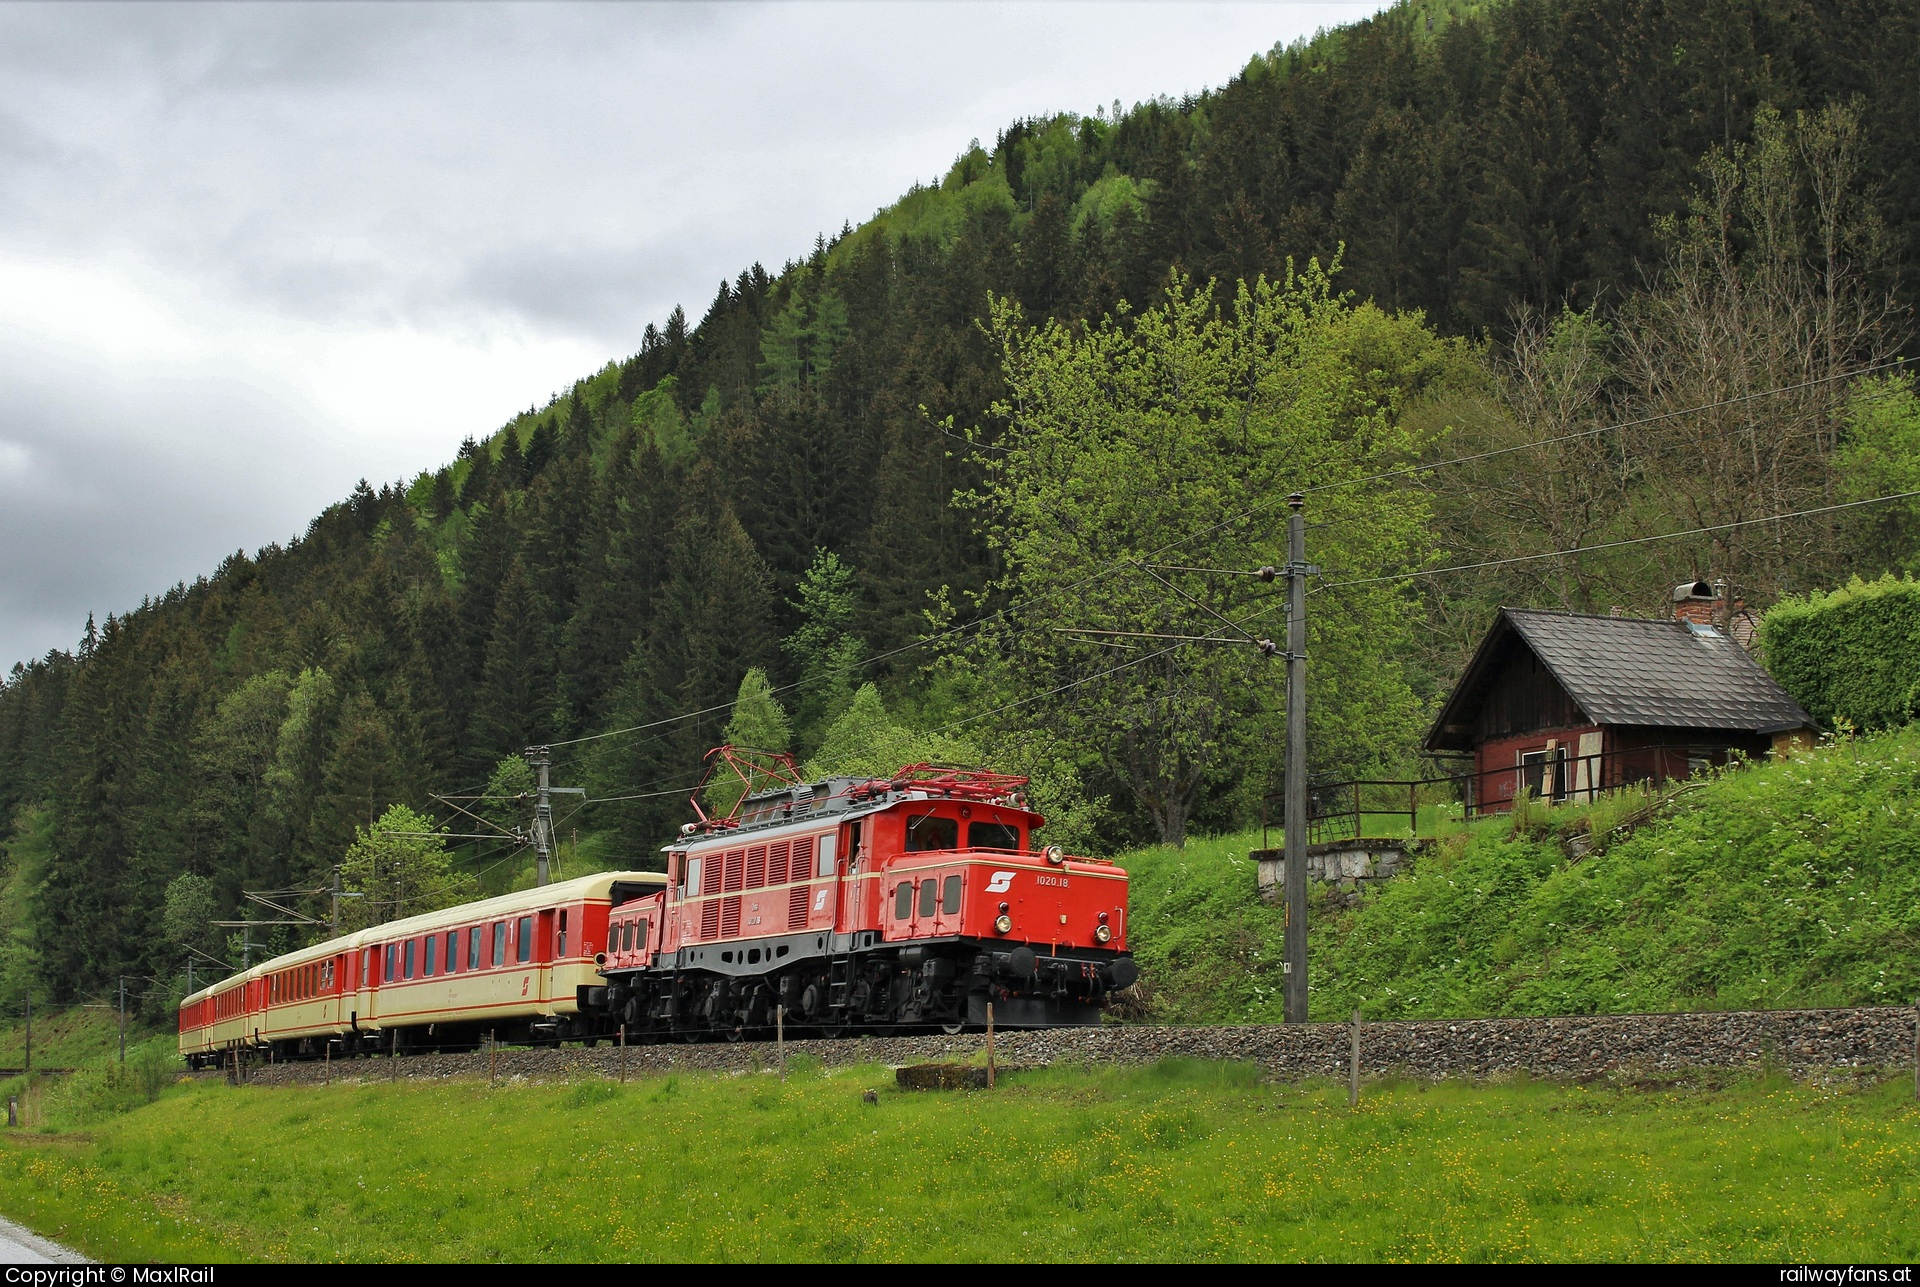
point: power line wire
(1612, 545)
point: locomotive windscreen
(930, 831)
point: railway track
(1864, 1040)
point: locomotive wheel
(833, 1031)
(953, 1029)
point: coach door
(543, 955)
(369, 984)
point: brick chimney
(1698, 602)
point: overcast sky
(252, 253)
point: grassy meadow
(1787, 883)
(1177, 1161)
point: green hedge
(1851, 654)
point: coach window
(453, 950)
(499, 943)
(930, 831)
(523, 940)
(950, 897)
(409, 961)
(393, 957)
(560, 939)
(473, 948)
(903, 901)
(433, 950)
(929, 890)
(992, 835)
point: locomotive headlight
(1056, 855)
(1003, 924)
(1101, 933)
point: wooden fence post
(780, 1037)
(1353, 1064)
(623, 1054)
(989, 1045)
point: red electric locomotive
(915, 900)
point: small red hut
(1566, 705)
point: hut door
(1586, 769)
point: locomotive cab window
(903, 901)
(950, 896)
(992, 835)
(930, 831)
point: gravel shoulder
(20, 1246)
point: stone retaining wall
(1801, 1041)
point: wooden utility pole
(1295, 992)
(123, 1019)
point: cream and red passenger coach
(852, 903)
(512, 966)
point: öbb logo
(1002, 881)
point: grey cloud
(518, 188)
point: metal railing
(1393, 808)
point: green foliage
(1183, 1161)
(1881, 457)
(825, 650)
(1851, 655)
(398, 867)
(24, 858)
(758, 720)
(867, 741)
(509, 804)
(1124, 447)
(187, 921)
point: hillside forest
(1496, 286)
